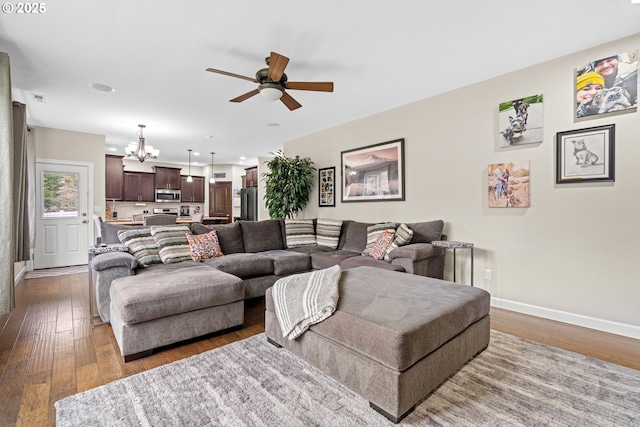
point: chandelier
(139, 151)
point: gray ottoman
(394, 336)
(152, 310)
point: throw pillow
(229, 236)
(328, 232)
(374, 231)
(402, 237)
(172, 242)
(299, 232)
(382, 243)
(141, 245)
(204, 246)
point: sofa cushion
(229, 236)
(109, 232)
(172, 242)
(374, 231)
(426, 232)
(353, 237)
(204, 246)
(320, 260)
(382, 243)
(259, 236)
(402, 237)
(243, 265)
(299, 232)
(288, 262)
(141, 245)
(367, 261)
(155, 295)
(328, 232)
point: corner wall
(572, 255)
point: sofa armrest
(113, 260)
(416, 251)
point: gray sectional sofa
(153, 306)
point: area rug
(58, 271)
(514, 382)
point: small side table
(93, 251)
(449, 244)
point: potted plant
(288, 184)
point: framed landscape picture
(585, 155)
(374, 173)
(326, 185)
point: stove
(170, 211)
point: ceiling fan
(272, 82)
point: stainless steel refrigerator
(249, 204)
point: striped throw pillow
(374, 231)
(172, 242)
(299, 232)
(402, 237)
(141, 245)
(328, 232)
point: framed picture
(520, 121)
(585, 155)
(374, 173)
(509, 185)
(607, 84)
(326, 184)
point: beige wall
(572, 255)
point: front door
(220, 199)
(62, 214)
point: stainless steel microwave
(164, 195)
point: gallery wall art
(607, 84)
(326, 184)
(508, 185)
(584, 155)
(521, 121)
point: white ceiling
(380, 55)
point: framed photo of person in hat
(607, 84)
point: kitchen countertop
(129, 221)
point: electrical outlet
(487, 274)
(97, 208)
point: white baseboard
(623, 329)
(19, 276)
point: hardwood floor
(48, 349)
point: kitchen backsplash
(126, 210)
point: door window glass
(60, 191)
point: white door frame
(90, 184)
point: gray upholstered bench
(155, 309)
(394, 336)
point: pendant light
(212, 180)
(189, 178)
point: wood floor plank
(34, 410)
(12, 386)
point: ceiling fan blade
(291, 103)
(316, 86)
(245, 96)
(226, 73)
(277, 64)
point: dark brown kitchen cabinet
(139, 187)
(192, 191)
(168, 178)
(251, 177)
(114, 177)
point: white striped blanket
(302, 300)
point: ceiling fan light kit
(141, 151)
(272, 82)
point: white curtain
(7, 299)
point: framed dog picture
(508, 185)
(607, 84)
(374, 173)
(326, 184)
(585, 155)
(520, 121)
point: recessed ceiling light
(241, 162)
(101, 87)
(635, 1)
(113, 149)
(272, 125)
(243, 158)
(195, 153)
